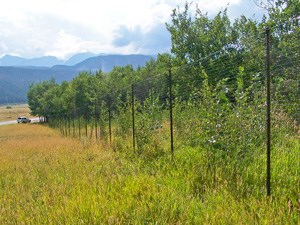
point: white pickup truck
(23, 119)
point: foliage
(214, 78)
(217, 69)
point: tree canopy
(224, 55)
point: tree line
(213, 54)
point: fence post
(86, 124)
(268, 176)
(171, 113)
(133, 118)
(70, 125)
(95, 120)
(100, 120)
(66, 126)
(73, 125)
(79, 127)
(109, 118)
(61, 126)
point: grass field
(12, 112)
(49, 179)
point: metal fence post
(133, 118)
(171, 113)
(69, 126)
(79, 127)
(109, 118)
(268, 130)
(100, 120)
(95, 120)
(73, 125)
(86, 125)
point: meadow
(12, 111)
(50, 179)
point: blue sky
(61, 28)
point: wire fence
(209, 104)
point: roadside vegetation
(99, 165)
(49, 179)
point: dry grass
(12, 112)
(18, 142)
(49, 179)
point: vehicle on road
(23, 119)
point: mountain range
(45, 61)
(17, 73)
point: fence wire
(217, 105)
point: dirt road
(33, 120)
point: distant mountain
(15, 80)
(107, 62)
(75, 59)
(45, 61)
(9, 60)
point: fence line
(215, 103)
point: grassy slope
(47, 179)
(14, 112)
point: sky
(62, 28)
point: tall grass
(49, 179)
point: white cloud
(214, 6)
(65, 44)
(62, 27)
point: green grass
(49, 179)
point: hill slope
(15, 80)
(107, 62)
(45, 61)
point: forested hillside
(15, 80)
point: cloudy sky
(34, 28)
